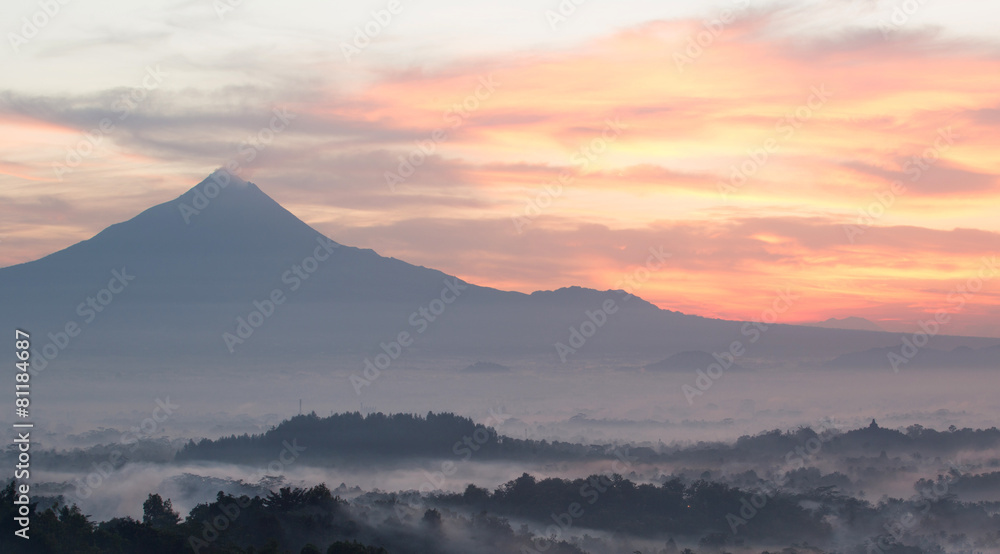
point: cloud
(727, 268)
(938, 179)
(845, 108)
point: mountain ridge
(199, 275)
(851, 323)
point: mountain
(853, 323)
(961, 357)
(486, 367)
(225, 276)
(691, 361)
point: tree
(432, 519)
(159, 514)
(354, 547)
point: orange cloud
(750, 159)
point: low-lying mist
(798, 436)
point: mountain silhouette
(854, 323)
(171, 283)
(693, 360)
(961, 357)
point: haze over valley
(443, 278)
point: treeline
(348, 435)
(715, 515)
(277, 523)
(353, 437)
(702, 509)
(870, 440)
(356, 438)
(290, 521)
(556, 516)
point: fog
(581, 403)
(578, 403)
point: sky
(841, 149)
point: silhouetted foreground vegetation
(278, 523)
(616, 504)
(801, 487)
(716, 515)
(560, 516)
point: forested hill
(352, 437)
(379, 438)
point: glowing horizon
(852, 165)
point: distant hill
(691, 360)
(351, 438)
(925, 358)
(851, 323)
(486, 367)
